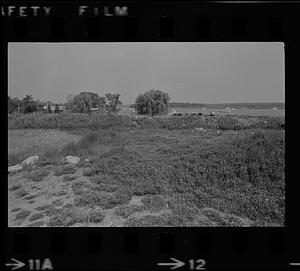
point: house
(45, 108)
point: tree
(28, 105)
(84, 101)
(13, 105)
(113, 102)
(56, 109)
(49, 110)
(69, 102)
(102, 102)
(152, 102)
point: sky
(207, 72)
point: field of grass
(23, 143)
(162, 171)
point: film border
(234, 248)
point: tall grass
(97, 121)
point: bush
(65, 169)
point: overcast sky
(207, 72)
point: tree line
(152, 102)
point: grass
(58, 202)
(15, 209)
(15, 187)
(128, 210)
(21, 193)
(30, 197)
(36, 216)
(64, 169)
(154, 202)
(67, 217)
(22, 215)
(36, 224)
(68, 178)
(93, 199)
(235, 167)
(38, 175)
(23, 143)
(95, 216)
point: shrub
(64, 169)
(154, 203)
(67, 217)
(95, 216)
(39, 174)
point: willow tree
(152, 102)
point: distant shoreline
(230, 105)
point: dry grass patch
(58, 202)
(36, 224)
(15, 187)
(154, 202)
(148, 221)
(127, 210)
(22, 215)
(91, 198)
(225, 220)
(30, 197)
(36, 216)
(68, 178)
(39, 174)
(23, 143)
(65, 169)
(59, 193)
(21, 193)
(15, 209)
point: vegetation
(114, 102)
(67, 121)
(152, 102)
(84, 101)
(157, 171)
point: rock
(14, 168)
(30, 161)
(72, 159)
(199, 129)
(87, 160)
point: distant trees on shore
(152, 102)
(29, 105)
(85, 102)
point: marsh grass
(38, 175)
(239, 171)
(22, 215)
(65, 169)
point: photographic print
(149, 134)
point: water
(249, 112)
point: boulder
(15, 168)
(199, 129)
(72, 159)
(30, 161)
(87, 160)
